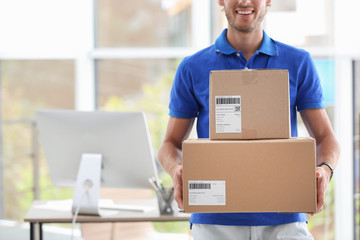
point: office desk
(40, 212)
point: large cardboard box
(249, 104)
(249, 175)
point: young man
(242, 45)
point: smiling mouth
(243, 12)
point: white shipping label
(228, 114)
(207, 193)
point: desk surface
(40, 212)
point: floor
(11, 230)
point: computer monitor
(120, 140)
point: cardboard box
(249, 175)
(249, 104)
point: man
(245, 45)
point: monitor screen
(122, 138)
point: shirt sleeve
(309, 90)
(183, 103)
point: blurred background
(122, 55)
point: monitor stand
(87, 188)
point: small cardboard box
(249, 175)
(249, 104)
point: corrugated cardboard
(258, 108)
(257, 175)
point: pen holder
(165, 198)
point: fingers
(177, 182)
(321, 190)
(320, 197)
(179, 199)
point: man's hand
(322, 181)
(327, 148)
(177, 182)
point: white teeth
(244, 12)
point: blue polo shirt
(189, 98)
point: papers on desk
(56, 205)
(110, 205)
(106, 206)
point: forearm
(328, 150)
(170, 151)
(170, 157)
(319, 127)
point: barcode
(227, 100)
(199, 186)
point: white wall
(43, 27)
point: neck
(247, 42)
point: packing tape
(249, 80)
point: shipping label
(228, 114)
(207, 193)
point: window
(28, 85)
(144, 23)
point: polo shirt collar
(268, 46)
